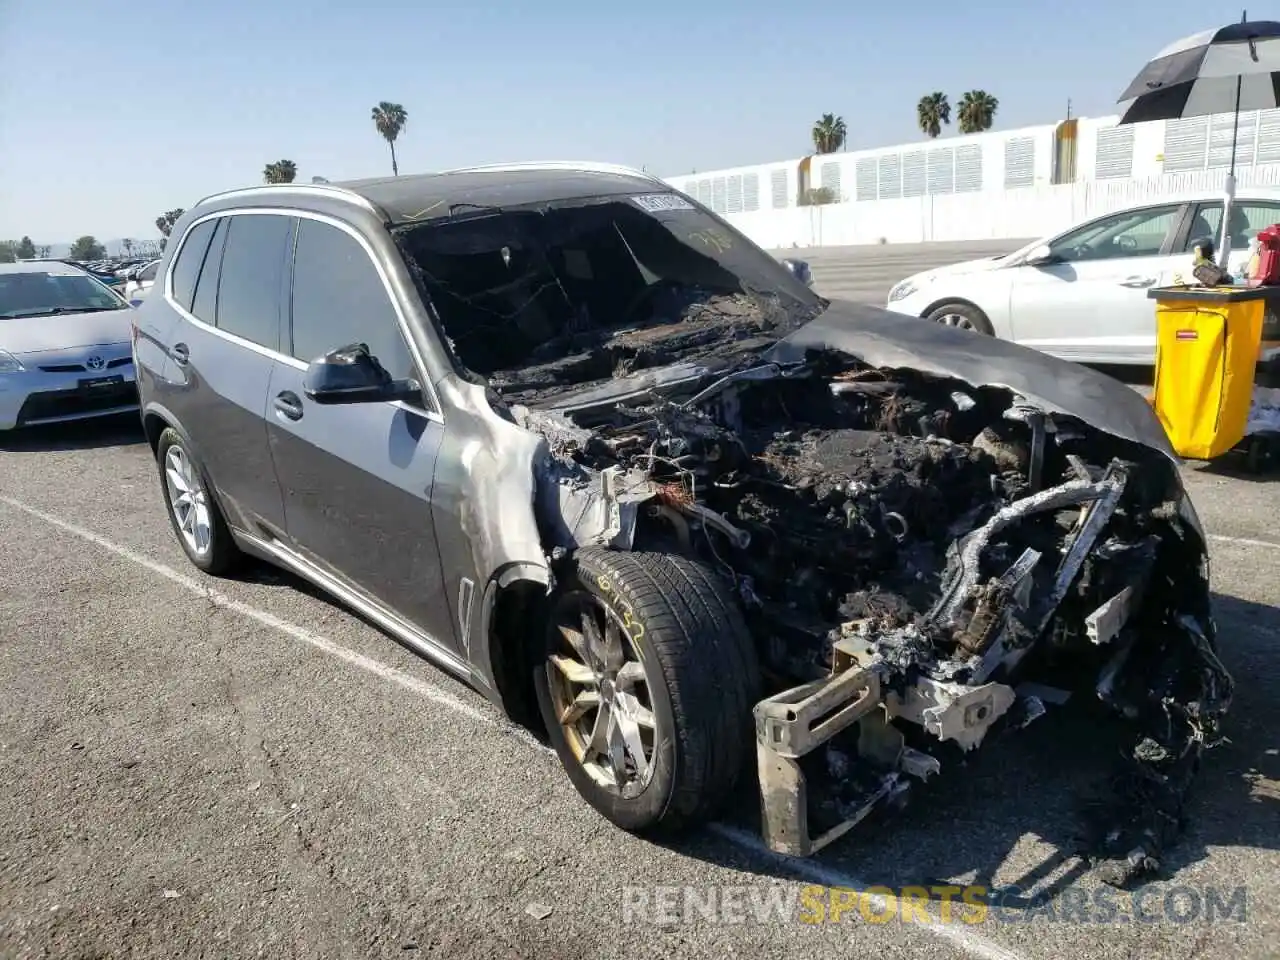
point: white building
(1016, 183)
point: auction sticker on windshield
(657, 202)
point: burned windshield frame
(573, 271)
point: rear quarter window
(186, 265)
(204, 306)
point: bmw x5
(568, 434)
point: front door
(1090, 302)
(357, 478)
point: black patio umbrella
(1233, 68)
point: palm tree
(282, 171)
(829, 133)
(932, 112)
(127, 245)
(390, 119)
(166, 220)
(977, 111)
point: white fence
(988, 215)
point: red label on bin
(1188, 335)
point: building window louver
(968, 168)
(778, 188)
(864, 178)
(889, 176)
(1114, 155)
(1019, 162)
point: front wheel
(963, 315)
(646, 687)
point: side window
(149, 273)
(186, 266)
(1247, 218)
(206, 298)
(250, 284)
(339, 298)
(1134, 233)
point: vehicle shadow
(1012, 816)
(262, 573)
(121, 430)
(1237, 464)
(1135, 375)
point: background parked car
(1082, 294)
(139, 280)
(65, 346)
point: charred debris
(970, 556)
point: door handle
(1138, 282)
(288, 405)
(180, 354)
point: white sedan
(1082, 294)
(140, 281)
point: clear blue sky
(111, 113)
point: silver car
(140, 281)
(65, 346)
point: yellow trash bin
(1208, 341)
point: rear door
(1091, 302)
(1248, 216)
(357, 478)
(222, 358)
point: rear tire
(963, 315)
(193, 510)
(670, 648)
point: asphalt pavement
(192, 767)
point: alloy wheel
(600, 694)
(956, 320)
(188, 500)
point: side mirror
(1041, 256)
(800, 270)
(351, 374)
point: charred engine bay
(835, 495)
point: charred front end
(921, 553)
(920, 560)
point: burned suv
(568, 434)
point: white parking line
(1244, 541)
(376, 667)
(814, 872)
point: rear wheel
(646, 687)
(193, 512)
(963, 315)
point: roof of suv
(427, 196)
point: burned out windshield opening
(590, 290)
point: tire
(963, 315)
(216, 553)
(701, 674)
